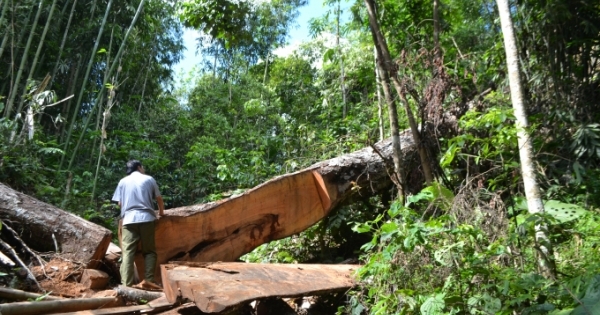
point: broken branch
(16, 257)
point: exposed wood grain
(215, 287)
(278, 208)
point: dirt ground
(61, 278)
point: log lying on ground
(47, 307)
(40, 223)
(137, 295)
(19, 295)
(281, 207)
(215, 287)
(158, 305)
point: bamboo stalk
(46, 307)
(20, 295)
(157, 305)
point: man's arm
(161, 206)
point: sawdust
(61, 278)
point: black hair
(133, 166)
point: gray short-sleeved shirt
(136, 193)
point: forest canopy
(88, 84)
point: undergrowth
(473, 260)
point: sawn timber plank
(214, 287)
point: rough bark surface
(37, 222)
(281, 207)
(242, 282)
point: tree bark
(281, 207)
(532, 189)
(78, 239)
(137, 295)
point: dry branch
(29, 250)
(21, 263)
(6, 261)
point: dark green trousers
(131, 235)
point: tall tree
(34, 63)
(24, 59)
(391, 68)
(532, 189)
(85, 80)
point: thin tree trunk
(6, 32)
(397, 157)
(62, 43)
(106, 117)
(15, 88)
(379, 100)
(436, 29)
(101, 100)
(113, 66)
(37, 54)
(19, 295)
(45, 307)
(341, 58)
(266, 69)
(71, 88)
(143, 92)
(532, 190)
(84, 82)
(390, 67)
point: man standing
(134, 194)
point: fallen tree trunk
(216, 287)
(39, 223)
(281, 207)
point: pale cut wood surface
(278, 208)
(215, 287)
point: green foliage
(449, 263)
(487, 144)
(224, 20)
